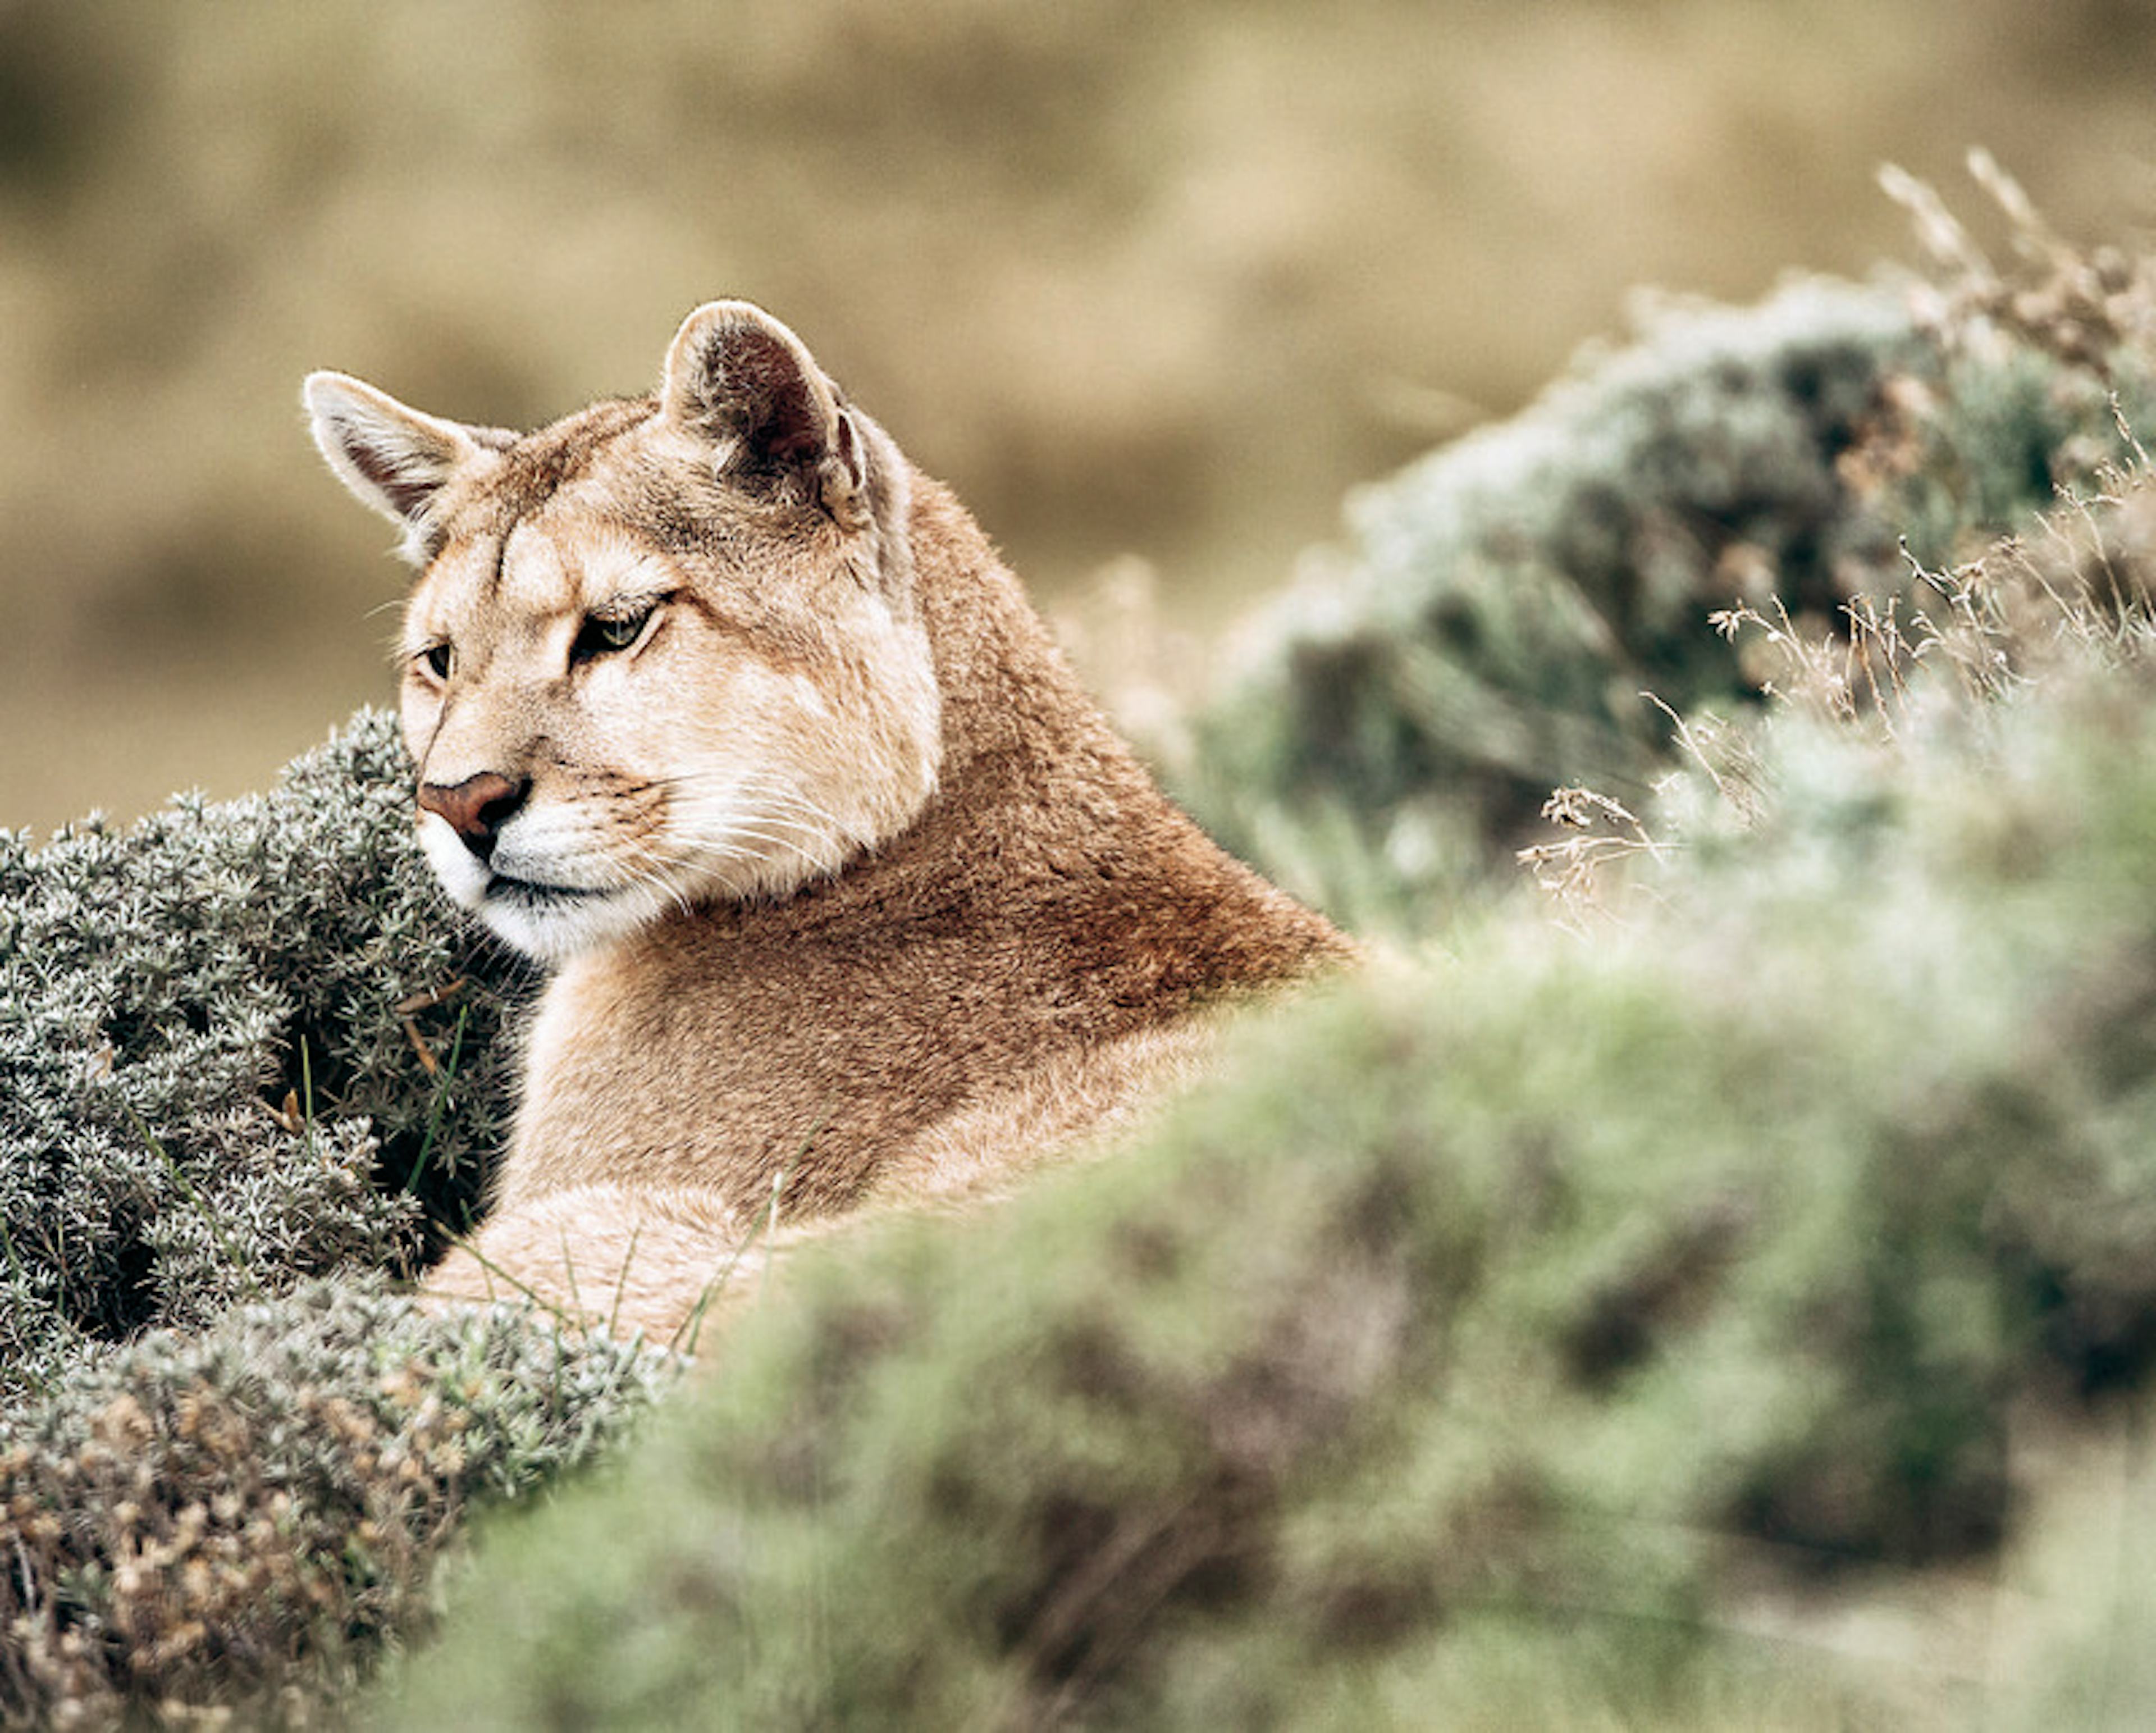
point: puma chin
(649, 661)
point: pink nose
(476, 808)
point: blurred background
(1152, 281)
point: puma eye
(436, 660)
(606, 633)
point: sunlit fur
(688, 768)
(853, 897)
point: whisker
(764, 817)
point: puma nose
(476, 808)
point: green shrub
(1533, 606)
(1499, 1319)
(244, 1046)
(240, 1517)
(212, 1044)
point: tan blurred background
(1148, 279)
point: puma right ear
(392, 458)
(738, 379)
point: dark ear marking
(852, 453)
(739, 379)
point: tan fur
(855, 897)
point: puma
(851, 897)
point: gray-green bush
(242, 1044)
(1461, 1355)
(245, 1045)
(1534, 606)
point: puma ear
(392, 458)
(737, 378)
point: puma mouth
(553, 921)
(532, 894)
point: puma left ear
(392, 458)
(737, 378)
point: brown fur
(1008, 938)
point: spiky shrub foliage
(242, 1044)
(1532, 606)
(239, 1518)
(1455, 1356)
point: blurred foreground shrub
(1461, 1356)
